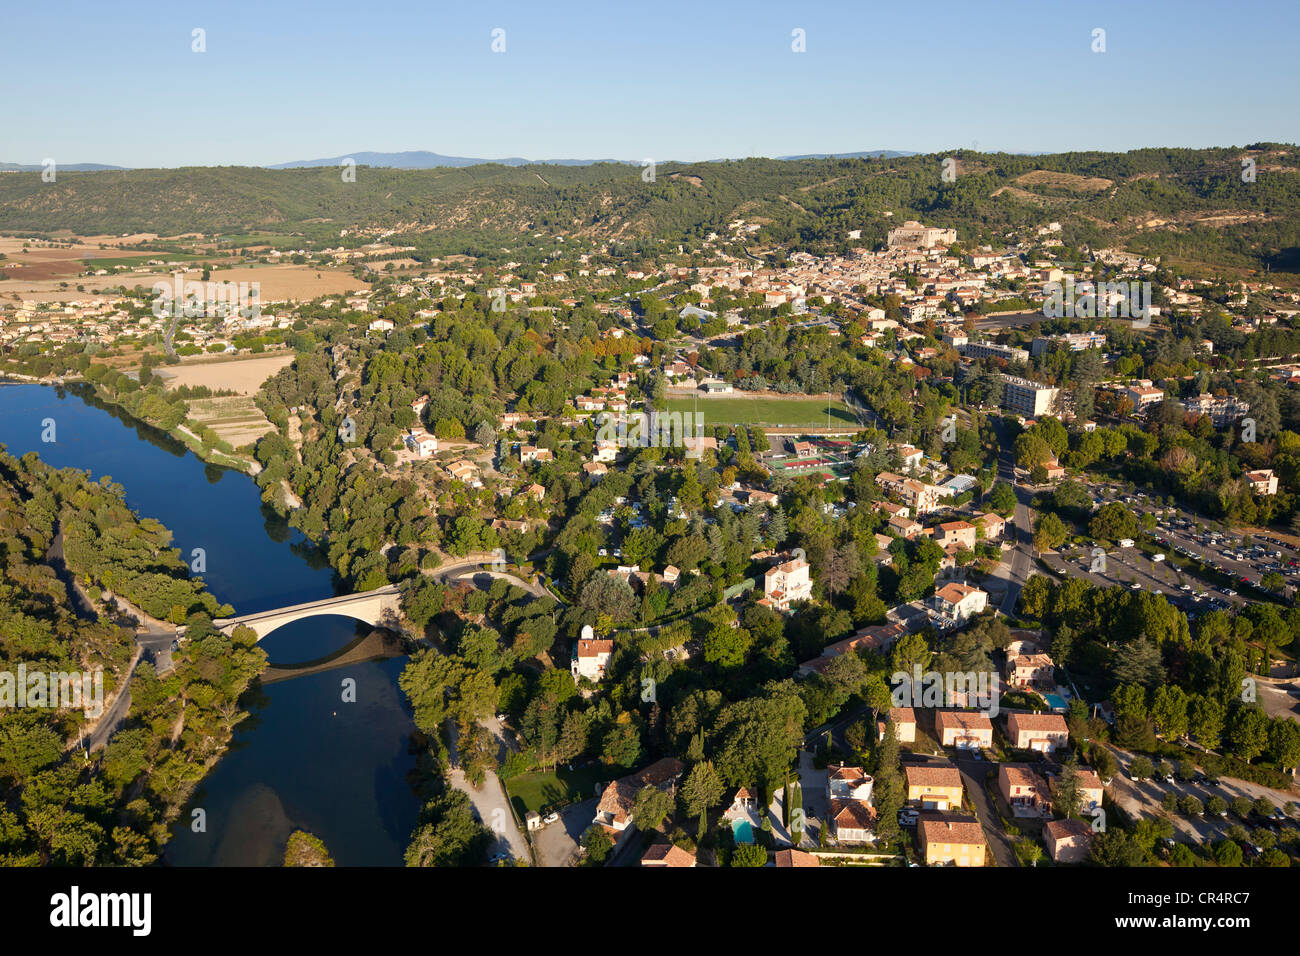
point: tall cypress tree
(889, 785)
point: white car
(550, 818)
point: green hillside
(1190, 204)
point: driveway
(491, 806)
(558, 842)
(972, 774)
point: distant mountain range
(866, 154)
(423, 159)
(75, 167)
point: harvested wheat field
(284, 282)
(244, 375)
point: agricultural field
(244, 375)
(234, 418)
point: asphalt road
(1017, 564)
(972, 774)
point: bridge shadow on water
(376, 645)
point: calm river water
(304, 759)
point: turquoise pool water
(1055, 701)
(743, 831)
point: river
(304, 759)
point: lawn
(787, 412)
(542, 790)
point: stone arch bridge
(379, 607)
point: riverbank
(184, 432)
(300, 730)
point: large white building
(1074, 341)
(993, 350)
(1222, 410)
(913, 235)
(1021, 396)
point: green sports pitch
(771, 412)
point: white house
(785, 584)
(592, 656)
(422, 443)
(956, 602)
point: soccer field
(765, 411)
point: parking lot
(1195, 552)
(1243, 557)
(1143, 798)
(1131, 568)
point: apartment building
(1008, 353)
(1143, 396)
(1074, 341)
(954, 534)
(921, 497)
(1221, 410)
(1021, 396)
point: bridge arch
(379, 607)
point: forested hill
(1186, 202)
(55, 806)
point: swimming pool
(1055, 701)
(743, 831)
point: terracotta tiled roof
(1059, 829)
(1037, 723)
(844, 772)
(962, 720)
(954, 593)
(787, 858)
(853, 814)
(932, 775)
(950, 830)
(1021, 775)
(1088, 780)
(666, 854)
(902, 715)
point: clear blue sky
(281, 81)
